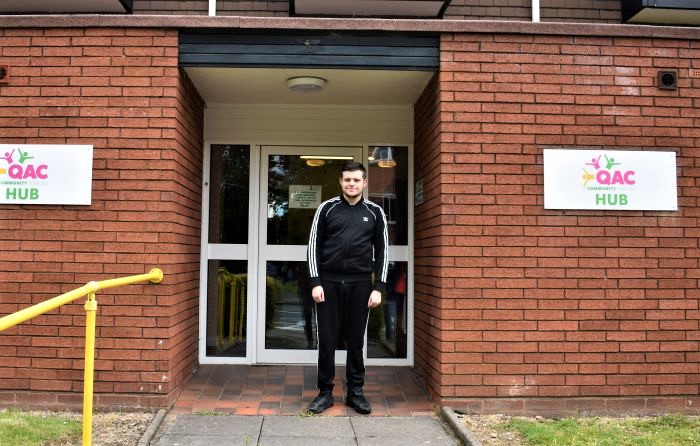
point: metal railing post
(90, 317)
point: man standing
(346, 234)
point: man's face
(352, 184)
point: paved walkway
(288, 390)
(263, 406)
(208, 430)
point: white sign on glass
(610, 179)
(45, 174)
(304, 197)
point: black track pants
(342, 316)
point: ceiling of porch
(343, 87)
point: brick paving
(287, 390)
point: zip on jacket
(348, 242)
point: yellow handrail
(89, 289)
(46, 306)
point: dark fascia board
(633, 10)
(309, 49)
(128, 5)
(438, 15)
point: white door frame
(286, 252)
(221, 251)
(250, 253)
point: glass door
(294, 181)
(226, 275)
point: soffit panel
(343, 87)
(66, 6)
(661, 12)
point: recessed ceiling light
(306, 84)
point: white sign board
(608, 179)
(304, 197)
(45, 174)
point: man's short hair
(352, 166)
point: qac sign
(610, 179)
(45, 174)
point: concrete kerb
(152, 428)
(458, 427)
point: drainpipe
(535, 10)
(212, 7)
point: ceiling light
(387, 162)
(306, 84)
(372, 156)
(324, 157)
(315, 162)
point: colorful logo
(21, 170)
(606, 174)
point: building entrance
(259, 204)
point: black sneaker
(357, 401)
(323, 401)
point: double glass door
(294, 182)
(261, 200)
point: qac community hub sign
(45, 174)
(610, 179)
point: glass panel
(289, 308)
(227, 295)
(228, 194)
(310, 182)
(387, 327)
(388, 187)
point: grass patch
(23, 429)
(668, 430)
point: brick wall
(171, 7)
(489, 10)
(429, 222)
(121, 91)
(267, 8)
(544, 310)
(581, 11)
(261, 8)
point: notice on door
(304, 197)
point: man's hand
(375, 299)
(317, 294)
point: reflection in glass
(387, 327)
(228, 193)
(295, 189)
(226, 307)
(289, 308)
(388, 187)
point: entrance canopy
(350, 68)
(310, 50)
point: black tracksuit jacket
(343, 240)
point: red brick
(86, 65)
